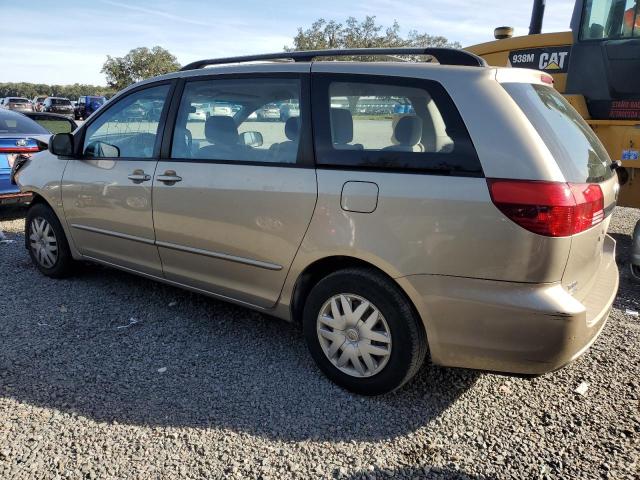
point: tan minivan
(409, 207)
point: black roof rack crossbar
(444, 56)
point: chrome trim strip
(175, 284)
(221, 256)
(111, 233)
(180, 248)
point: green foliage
(139, 64)
(364, 34)
(72, 92)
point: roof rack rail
(445, 56)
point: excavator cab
(605, 58)
(596, 66)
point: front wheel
(362, 331)
(47, 243)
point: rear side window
(390, 123)
(239, 120)
(575, 147)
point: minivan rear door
(582, 160)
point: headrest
(292, 128)
(341, 126)
(408, 130)
(221, 129)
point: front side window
(129, 128)
(610, 19)
(376, 122)
(253, 120)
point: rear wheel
(47, 242)
(362, 332)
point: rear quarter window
(575, 147)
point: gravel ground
(107, 375)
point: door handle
(169, 177)
(138, 176)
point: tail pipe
(537, 16)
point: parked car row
(79, 110)
(22, 134)
(18, 104)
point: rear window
(577, 150)
(18, 100)
(19, 124)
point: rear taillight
(25, 149)
(548, 79)
(553, 209)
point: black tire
(409, 343)
(635, 272)
(64, 263)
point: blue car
(88, 104)
(19, 135)
(403, 109)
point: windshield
(577, 150)
(15, 123)
(98, 100)
(604, 19)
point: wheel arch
(35, 200)
(320, 268)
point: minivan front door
(106, 193)
(233, 203)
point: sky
(67, 41)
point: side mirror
(623, 176)
(623, 173)
(61, 144)
(101, 150)
(251, 139)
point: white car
(200, 114)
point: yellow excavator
(596, 65)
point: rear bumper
(12, 198)
(511, 327)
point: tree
(31, 90)
(138, 64)
(364, 34)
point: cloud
(193, 29)
(155, 12)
